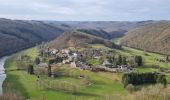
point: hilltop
(154, 37)
(79, 39)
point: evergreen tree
(139, 60)
(119, 60)
(49, 67)
(49, 70)
(37, 60)
(30, 69)
(124, 62)
(167, 59)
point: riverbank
(2, 73)
(18, 81)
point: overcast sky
(86, 10)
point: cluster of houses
(78, 59)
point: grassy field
(102, 83)
(94, 62)
(99, 46)
(149, 59)
(20, 81)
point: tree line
(143, 78)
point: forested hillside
(154, 38)
(79, 39)
(99, 33)
(103, 29)
(16, 34)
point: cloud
(85, 9)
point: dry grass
(156, 92)
(11, 96)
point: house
(124, 68)
(54, 51)
(65, 51)
(97, 57)
(107, 63)
(73, 64)
(66, 61)
(73, 57)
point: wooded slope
(79, 39)
(17, 34)
(154, 38)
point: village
(88, 59)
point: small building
(54, 51)
(73, 57)
(66, 61)
(107, 63)
(97, 57)
(65, 51)
(73, 64)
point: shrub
(37, 60)
(40, 71)
(167, 59)
(130, 88)
(56, 72)
(49, 71)
(30, 69)
(139, 60)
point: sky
(86, 10)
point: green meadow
(102, 84)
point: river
(2, 73)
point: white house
(107, 63)
(54, 51)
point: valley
(84, 50)
(103, 85)
(82, 61)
